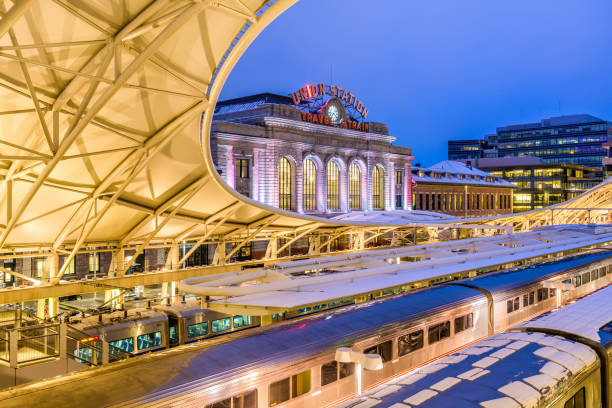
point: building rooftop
(552, 122)
(520, 161)
(456, 172)
(249, 102)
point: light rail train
(144, 330)
(291, 364)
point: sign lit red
(313, 91)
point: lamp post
(367, 361)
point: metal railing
(37, 343)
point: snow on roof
(371, 270)
(521, 377)
(394, 217)
(583, 318)
(454, 172)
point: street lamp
(367, 361)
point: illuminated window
(40, 266)
(70, 270)
(149, 340)
(333, 186)
(242, 167)
(94, 262)
(354, 187)
(310, 186)
(378, 188)
(285, 180)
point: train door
(173, 331)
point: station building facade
(458, 189)
(287, 154)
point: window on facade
(354, 187)
(333, 186)
(399, 177)
(382, 349)
(94, 262)
(242, 168)
(438, 332)
(40, 266)
(285, 180)
(378, 188)
(310, 186)
(71, 269)
(409, 343)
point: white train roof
(583, 318)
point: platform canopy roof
(105, 111)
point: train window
(594, 274)
(241, 321)
(300, 383)
(346, 369)
(586, 278)
(509, 307)
(552, 292)
(567, 281)
(577, 400)
(197, 330)
(226, 403)
(542, 294)
(221, 325)
(123, 344)
(531, 298)
(438, 332)
(409, 343)
(329, 373)
(525, 300)
(577, 281)
(246, 400)
(279, 392)
(516, 304)
(464, 322)
(382, 349)
(148, 340)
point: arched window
(284, 184)
(378, 188)
(310, 186)
(354, 187)
(333, 186)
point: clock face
(335, 111)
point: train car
(188, 322)
(136, 331)
(292, 363)
(557, 360)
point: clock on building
(335, 110)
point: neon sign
(314, 91)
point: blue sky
(441, 69)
